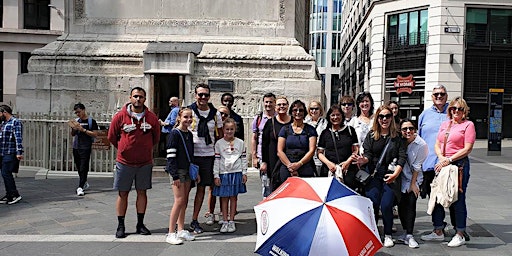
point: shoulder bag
(362, 176)
(193, 169)
(339, 172)
(446, 134)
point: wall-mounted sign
(452, 29)
(404, 84)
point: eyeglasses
(410, 128)
(347, 104)
(203, 95)
(439, 94)
(224, 114)
(458, 109)
(300, 110)
(387, 116)
(314, 108)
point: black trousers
(407, 211)
(81, 158)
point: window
(1, 13)
(407, 29)
(484, 26)
(24, 56)
(36, 14)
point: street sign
(495, 121)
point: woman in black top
(270, 136)
(338, 145)
(384, 186)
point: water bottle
(391, 166)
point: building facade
(398, 50)
(324, 44)
(244, 47)
(25, 26)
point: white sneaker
(86, 186)
(411, 242)
(388, 241)
(173, 238)
(224, 228)
(185, 235)
(221, 220)
(433, 237)
(231, 226)
(457, 241)
(80, 192)
(210, 218)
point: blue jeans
(8, 165)
(382, 196)
(459, 207)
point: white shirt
(229, 158)
(417, 152)
(200, 147)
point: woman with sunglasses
(453, 145)
(270, 135)
(412, 177)
(384, 186)
(224, 112)
(296, 145)
(338, 146)
(315, 119)
(364, 117)
(347, 106)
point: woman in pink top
(454, 143)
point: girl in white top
(364, 120)
(230, 173)
(316, 119)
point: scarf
(202, 127)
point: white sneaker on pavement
(457, 241)
(80, 192)
(231, 226)
(224, 228)
(411, 242)
(173, 238)
(185, 235)
(210, 218)
(433, 237)
(388, 241)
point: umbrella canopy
(316, 216)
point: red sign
(404, 84)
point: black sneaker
(194, 227)
(120, 232)
(4, 200)
(14, 200)
(141, 229)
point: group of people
(401, 157)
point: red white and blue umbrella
(316, 216)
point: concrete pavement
(52, 220)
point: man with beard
(12, 152)
(133, 131)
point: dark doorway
(164, 87)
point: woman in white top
(347, 104)
(364, 120)
(315, 118)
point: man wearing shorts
(206, 127)
(133, 131)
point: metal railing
(48, 143)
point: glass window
(423, 26)
(402, 27)
(413, 28)
(24, 56)
(36, 14)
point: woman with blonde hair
(316, 119)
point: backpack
(89, 123)
(258, 120)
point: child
(177, 167)
(230, 173)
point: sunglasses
(347, 104)
(387, 116)
(410, 128)
(439, 94)
(458, 109)
(314, 108)
(203, 95)
(224, 114)
(300, 110)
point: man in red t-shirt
(133, 131)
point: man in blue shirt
(428, 126)
(170, 121)
(11, 149)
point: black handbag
(363, 176)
